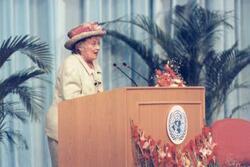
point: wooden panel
(93, 131)
(153, 119)
(174, 95)
(151, 95)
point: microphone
(126, 65)
(115, 65)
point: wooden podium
(94, 130)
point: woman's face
(89, 48)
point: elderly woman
(79, 75)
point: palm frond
(2, 118)
(216, 64)
(107, 23)
(37, 51)
(238, 108)
(221, 71)
(146, 53)
(43, 79)
(10, 136)
(216, 88)
(197, 29)
(10, 109)
(32, 99)
(236, 86)
(13, 137)
(193, 47)
(12, 82)
(163, 39)
(233, 66)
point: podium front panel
(95, 130)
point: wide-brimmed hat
(83, 31)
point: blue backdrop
(51, 19)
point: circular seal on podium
(177, 124)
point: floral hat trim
(83, 31)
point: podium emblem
(177, 124)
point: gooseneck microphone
(115, 65)
(126, 65)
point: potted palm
(31, 98)
(192, 49)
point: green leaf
(139, 47)
(37, 51)
(11, 109)
(13, 137)
(192, 47)
(12, 82)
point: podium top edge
(145, 88)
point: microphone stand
(126, 65)
(115, 65)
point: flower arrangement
(151, 153)
(168, 77)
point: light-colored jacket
(74, 79)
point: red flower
(158, 72)
(168, 78)
(206, 131)
(170, 71)
(198, 152)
